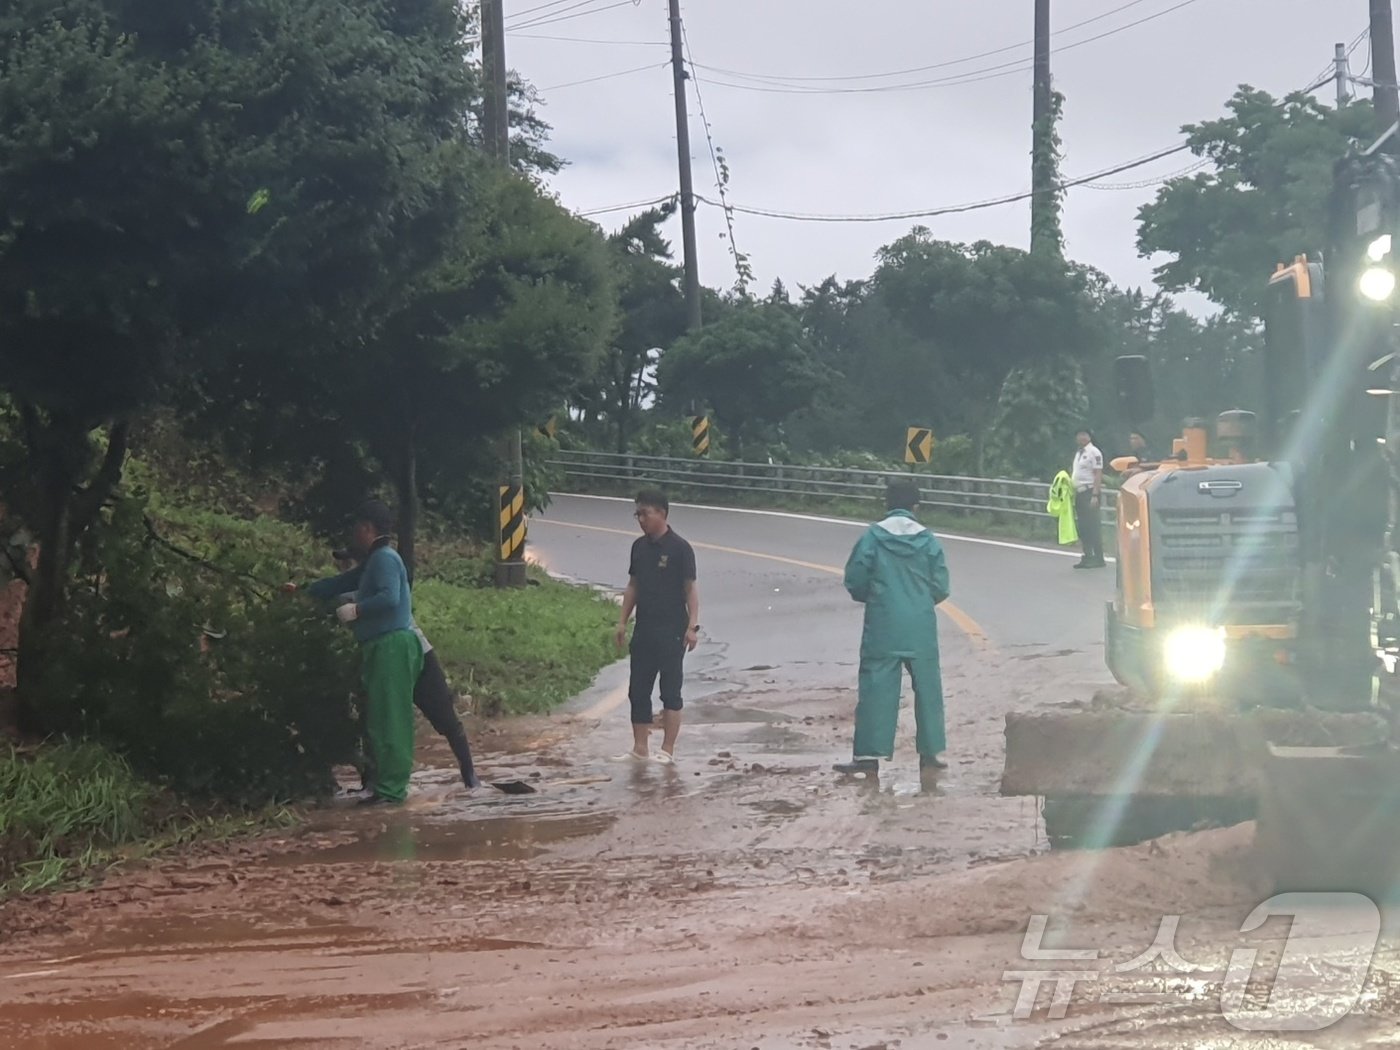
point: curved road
(772, 596)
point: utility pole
(1387, 101)
(692, 264)
(1044, 200)
(509, 509)
(496, 115)
(1343, 76)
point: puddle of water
(156, 936)
(497, 838)
(776, 807)
(728, 714)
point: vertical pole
(1343, 75)
(496, 116)
(1043, 200)
(692, 268)
(1041, 100)
(509, 515)
(1387, 101)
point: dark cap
(374, 512)
(901, 494)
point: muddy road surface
(745, 897)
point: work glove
(347, 612)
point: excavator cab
(1255, 625)
(1206, 605)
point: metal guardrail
(1004, 498)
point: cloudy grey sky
(901, 148)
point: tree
(495, 341)
(178, 180)
(1262, 201)
(652, 316)
(491, 334)
(968, 315)
(529, 132)
(1040, 407)
(754, 368)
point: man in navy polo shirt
(661, 590)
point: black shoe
(470, 779)
(858, 765)
(1082, 563)
(927, 762)
(376, 800)
(1097, 563)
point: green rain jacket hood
(899, 572)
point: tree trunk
(622, 433)
(625, 402)
(406, 493)
(57, 448)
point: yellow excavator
(1254, 627)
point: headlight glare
(1194, 654)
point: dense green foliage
(1262, 200)
(271, 223)
(203, 678)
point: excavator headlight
(1194, 654)
(1377, 283)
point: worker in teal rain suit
(898, 571)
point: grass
(517, 651)
(68, 811)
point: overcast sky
(855, 153)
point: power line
(994, 202)
(606, 76)
(561, 16)
(524, 15)
(714, 159)
(1142, 184)
(611, 208)
(930, 213)
(937, 65)
(589, 40)
(767, 83)
(539, 7)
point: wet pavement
(745, 897)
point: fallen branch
(203, 562)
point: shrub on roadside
(202, 678)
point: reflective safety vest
(1061, 505)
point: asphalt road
(771, 591)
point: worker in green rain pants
(391, 653)
(898, 571)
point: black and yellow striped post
(700, 435)
(510, 565)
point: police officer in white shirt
(1087, 477)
